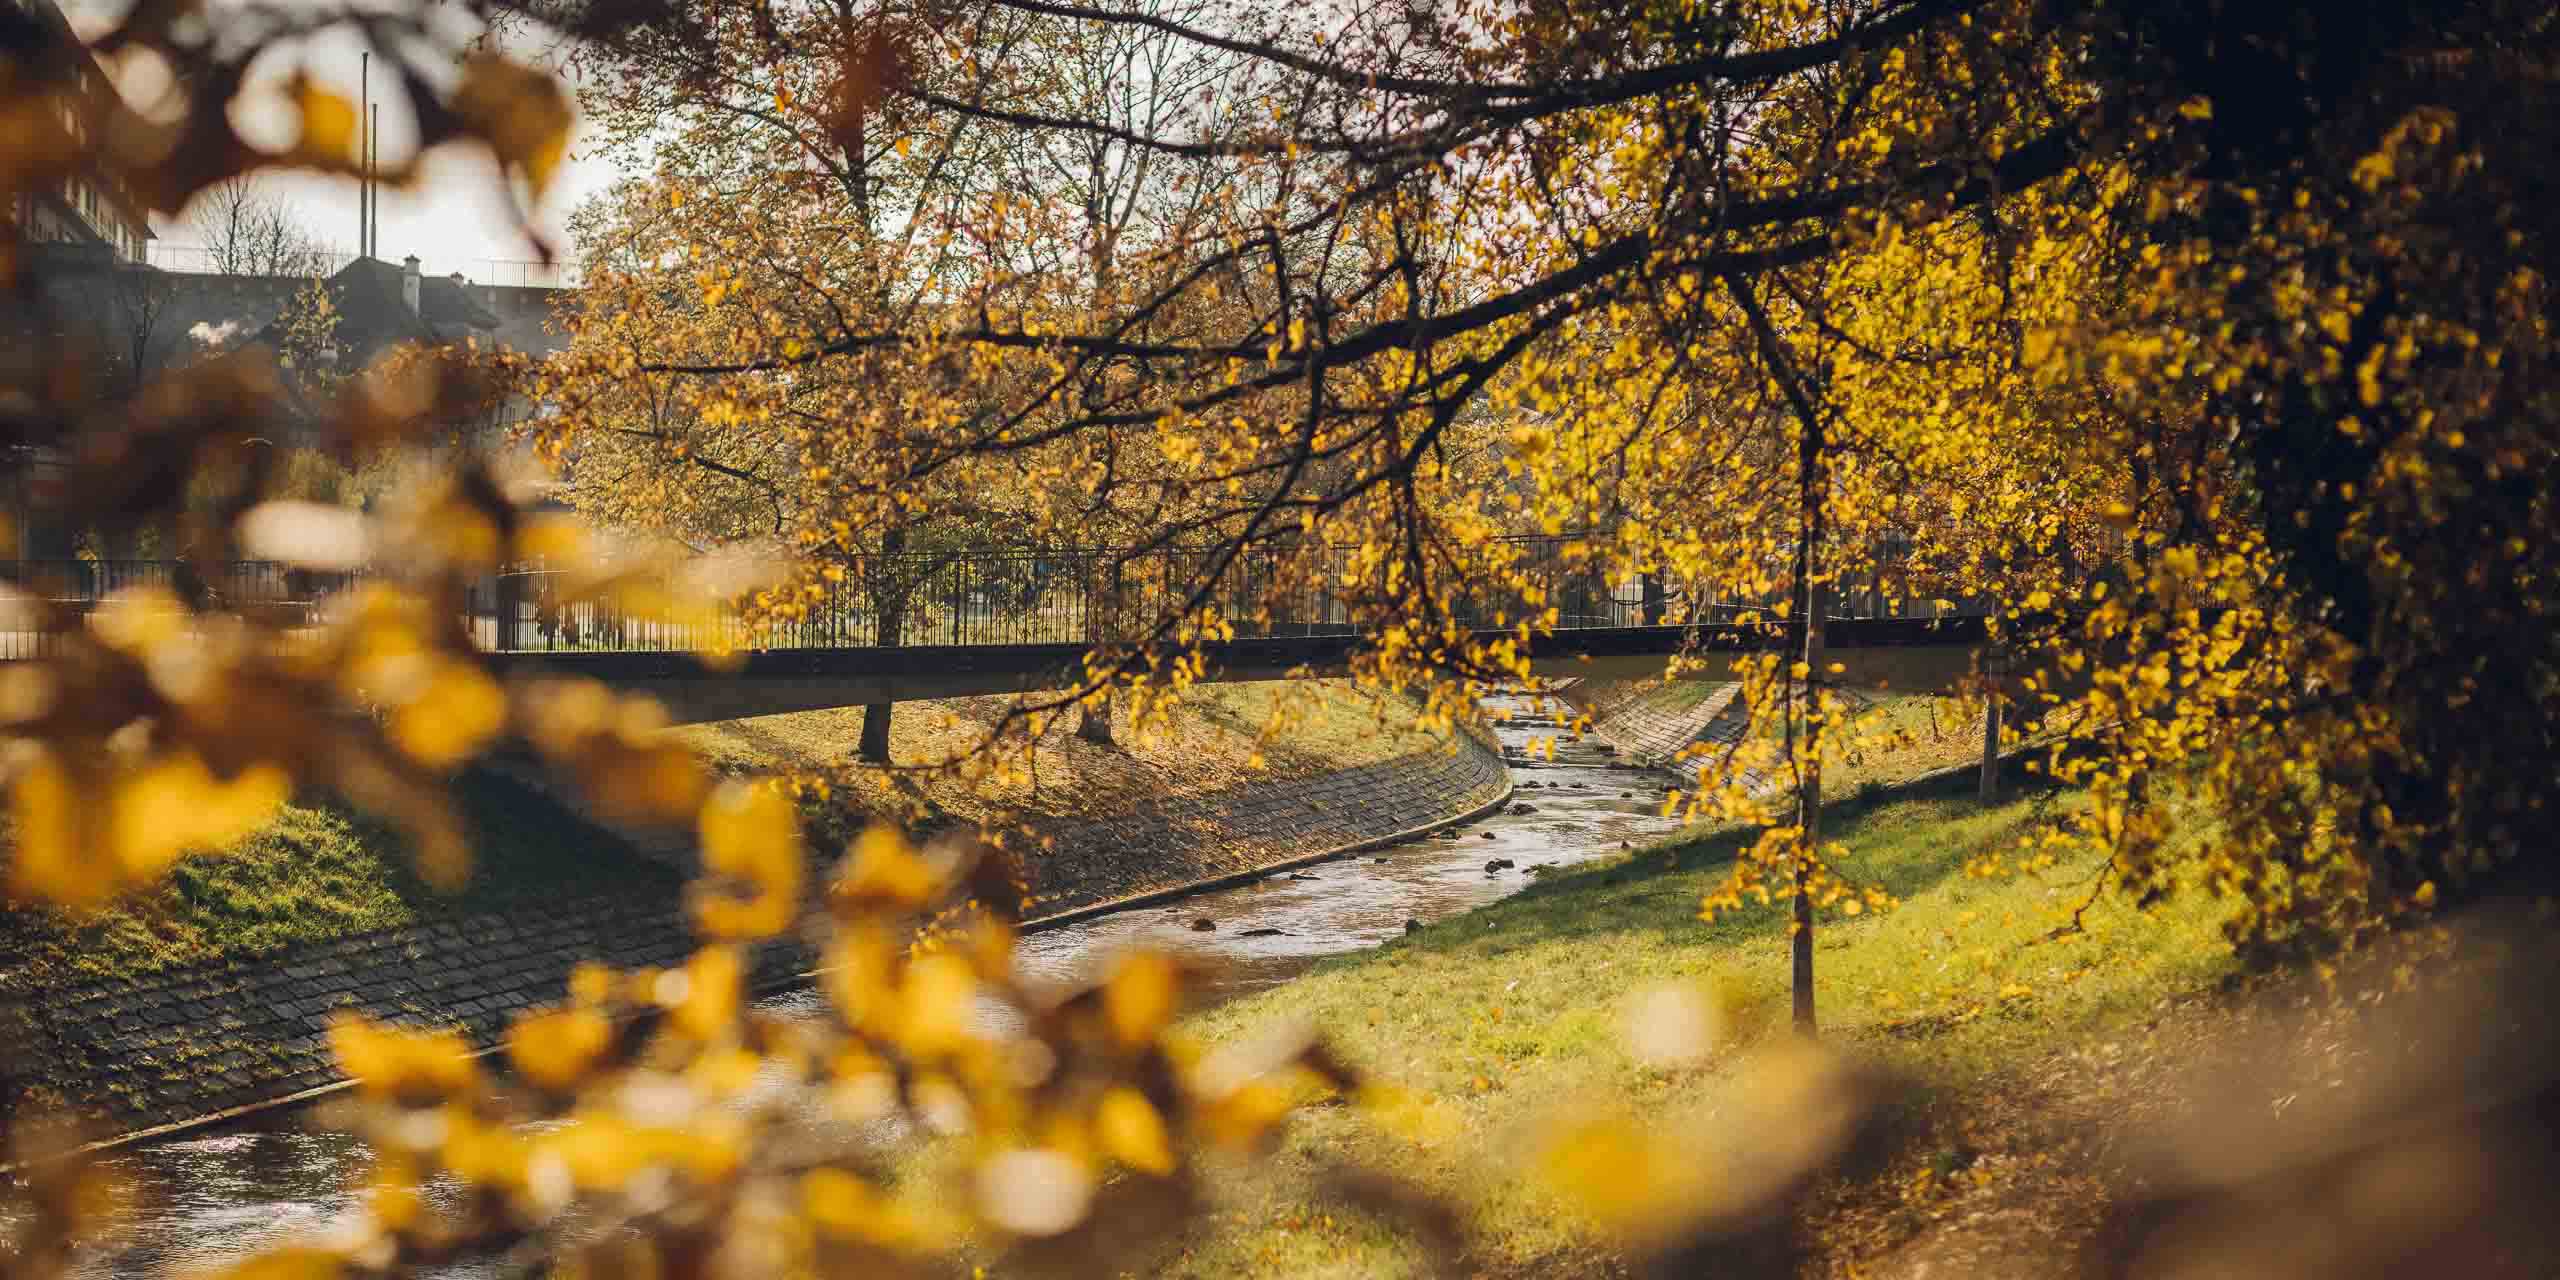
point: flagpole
(364, 165)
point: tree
(137, 307)
(2207, 341)
(2005, 241)
(248, 232)
(763, 157)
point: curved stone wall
(200, 1045)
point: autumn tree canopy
(2207, 338)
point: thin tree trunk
(889, 604)
(1813, 488)
(1809, 785)
(1095, 727)
(874, 746)
(1990, 729)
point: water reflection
(223, 1196)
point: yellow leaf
(839, 1202)
(174, 806)
(389, 1061)
(2038, 348)
(1245, 1115)
(1132, 1132)
(751, 832)
(288, 1264)
(53, 820)
(938, 1006)
(714, 979)
(328, 125)
(558, 1048)
(1623, 1177)
(523, 114)
(453, 712)
(886, 870)
(1141, 998)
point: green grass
(317, 872)
(1514, 1012)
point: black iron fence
(966, 597)
(289, 594)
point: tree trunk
(874, 748)
(1102, 603)
(1990, 729)
(1096, 725)
(1813, 493)
(1808, 796)
(888, 588)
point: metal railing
(968, 596)
(515, 273)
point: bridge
(924, 625)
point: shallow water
(219, 1197)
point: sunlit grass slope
(1516, 1013)
(317, 872)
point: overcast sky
(456, 221)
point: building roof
(368, 294)
(169, 318)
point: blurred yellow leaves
(884, 871)
(1141, 998)
(614, 746)
(1634, 1182)
(842, 1204)
(557, 1049)
(710, 994)
(525, 115)
(446, 711)
(751, 837)
(86, 834)
(289, 1264)
(398, 1063)
(1131, 1131)
(329, 131)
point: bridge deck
(1905, 654)
(1010, 622)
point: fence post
(508, 594)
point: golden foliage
(2214, 374)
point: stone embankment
(200, 1045)
(1651, 722)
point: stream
(217, 1197)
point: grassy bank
(318, 872)
(1515, 1013)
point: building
(126, 323)
(90, 206)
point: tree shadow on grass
(1906, 838)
